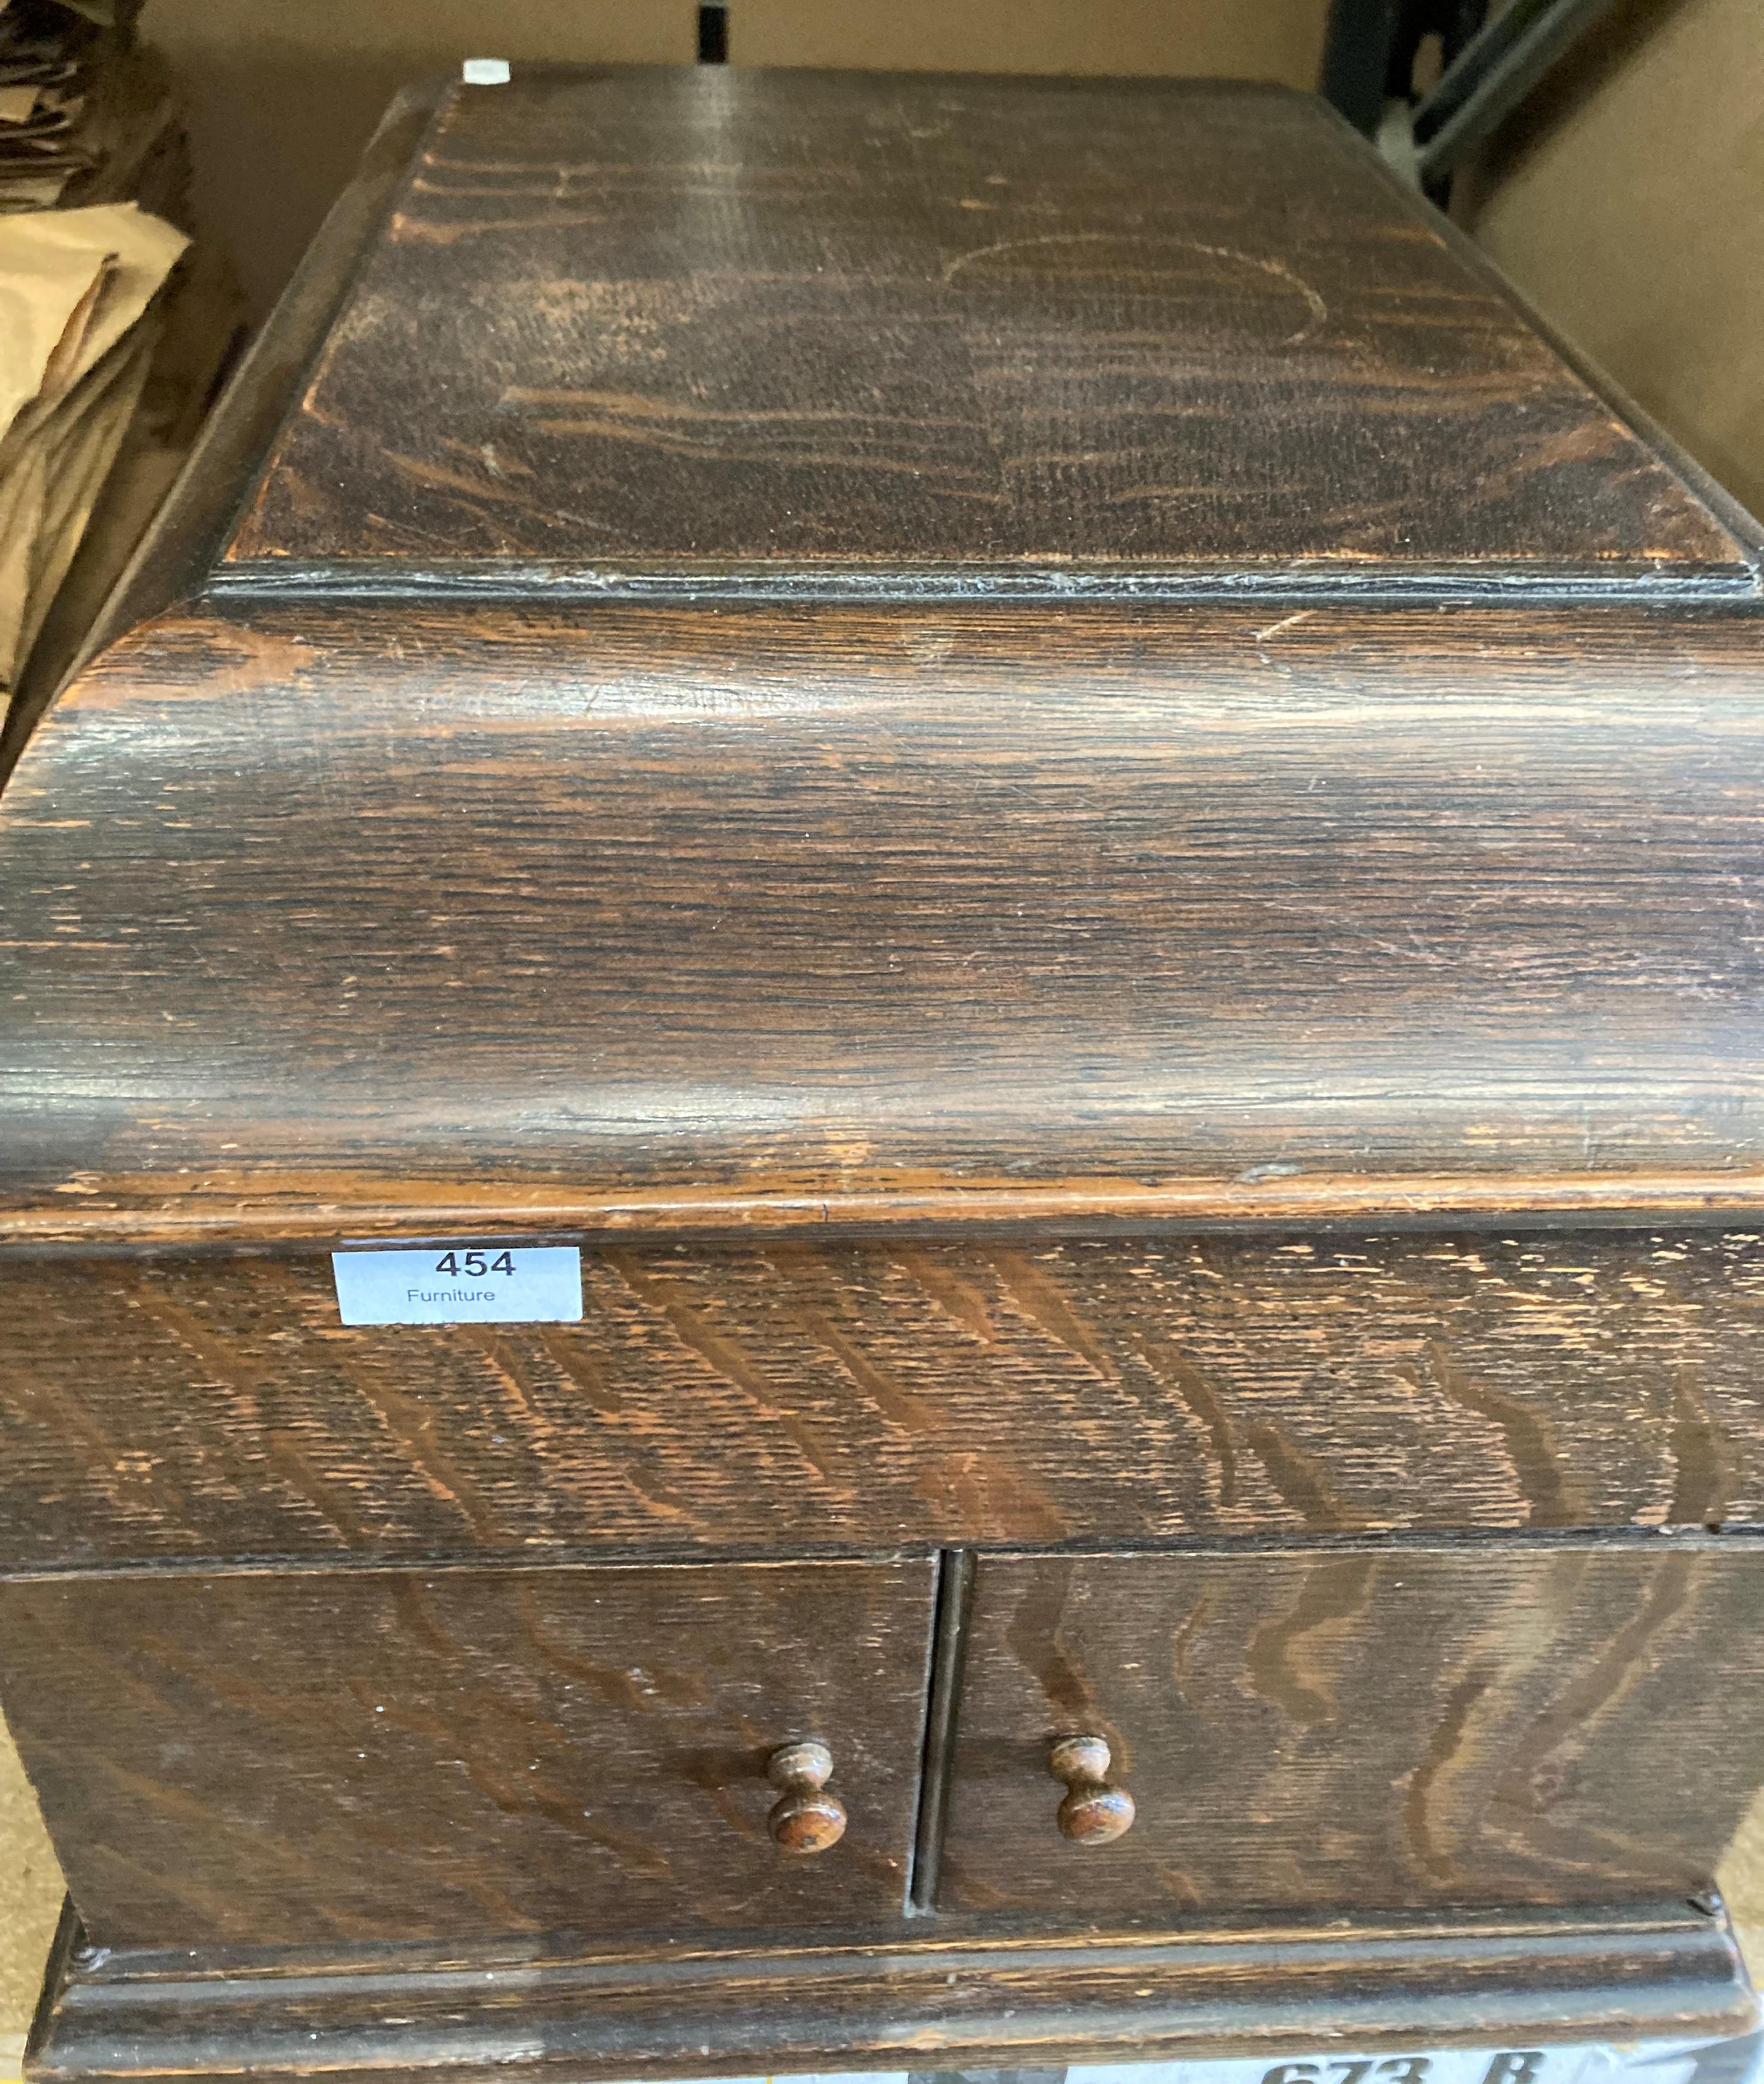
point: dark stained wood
(250, 1759)
(782, 1398)
(1304, 1729)
(925, 908)
(1364, 1984)
(787, 319)
(1022, 748)
(417, 917)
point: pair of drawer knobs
(806, 1819)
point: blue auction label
(458, 1284)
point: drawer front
(778, 1397)
(467, 1753)
(1301, 1730)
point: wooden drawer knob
(1093, 1812)
(805, 1818)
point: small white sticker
(485, 72)
(460, 1283)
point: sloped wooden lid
(459, 855)
(704, 321)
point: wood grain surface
(899, 704)
(251, 1759)
(787, 318)
(395, 914)
(786, 1398)
(1456, 1727)
(1515, 1980)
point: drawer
(762, 1398)
(1394, 1727)
(399, 1755)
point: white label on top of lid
(461, 1284)
(485, 72)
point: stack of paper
(82, 109)
(79, 314)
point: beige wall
(283, 97)
(1279, 39)
(1628, 203)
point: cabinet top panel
(637, 320)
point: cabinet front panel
(786, 1398)
(467, 1753)
(1476, 1725)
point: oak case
(1025, 751)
